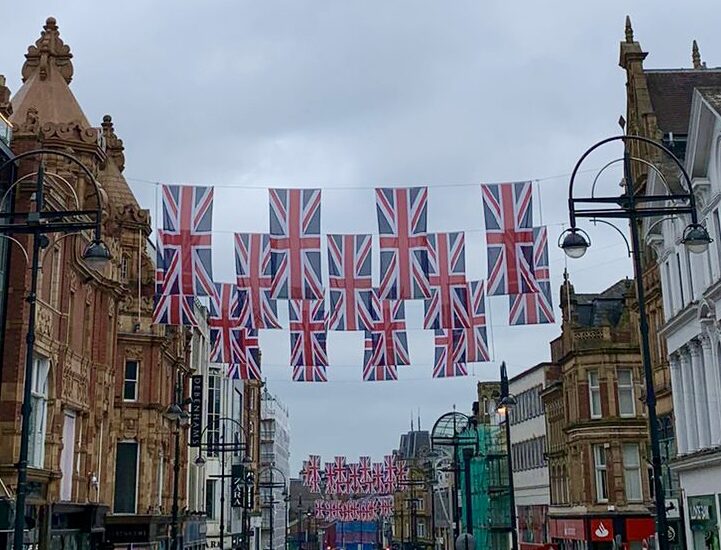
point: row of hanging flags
(285, 264)
(356, 478)
(364, 509)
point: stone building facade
(597, 435)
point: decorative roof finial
(6, 108)
(48, 52)
(629, 29)
(113, 144)
(696, 57)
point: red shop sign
(639, 528)
(602, 529)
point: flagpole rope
(361, 187)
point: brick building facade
(596, 426)
(91, 326)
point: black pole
(509, 458)
(222, 488)
(26, 410)
(403, 526)
(454, 493)
(433, 506)
(659, 497)
(467, 453)
(287, 500)
(272, 502)
(176, 470)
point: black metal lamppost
(177, 414)
(634, 207)
(39, 223)
(505, 402)
(221, 445)
(286, 499)
(271, 484)
(448, 431)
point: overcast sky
(358, 94)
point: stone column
(688, 397)
(699, 394)
(679, 404)
(712, 390)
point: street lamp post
(178, 415)
(39, 223)
(635, 207)
(270, 484)
(286, 499)
(505, 402)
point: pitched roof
(46, 74)
(671, 91)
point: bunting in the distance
(350, 282)
(508, 214)
(308, 355)
(359, 478)
(537, 307)
(253, 277)
(447, 306)
(295, 244)
(403, 245)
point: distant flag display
(508, 214)
(295, 244)
(537, 307)
(402, 216)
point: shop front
(77, 526)
(138, 531)
(703, 522)
(602, 533)
(532, 526)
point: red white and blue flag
(507, 209)
(248, 367)
(295, 244)
(170, 309)
(354, 479)
(186, 240)
(349, 279)
(366, 475)
(475, 341)
(253, 277)
(224, 324)
(403, 245)
(450, 353)
(537, 307)
(388, 335)
(311, 473)
(447, 306)
(339, 471)
(308, 355)
(373, 353)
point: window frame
(600, 469)
(594, 389)
(39, 415)
(134, 381)
(137, 474)
(212, 418)
(625, 387)
(632, 467)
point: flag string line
(357, 187)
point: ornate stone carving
(48, 50)
(113, 144)
(70, 131)
(6, 108)
(44, 320)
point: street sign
(237, 486)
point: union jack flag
(386, 507)
(354, 479)
(186, 238)
(224, 324)
(364, 469)
(311, 478)
(170, 309)
(535, 308)
(447, 275)
(253, 277)
(475, 341)
(340, 473)
(331, 485)
(248, 366)
(388, 334)
(450, 353)
(507, 208)
(349, 269)
(307, 340)
(403, 243)
(374, 353)
(390, 468)
(295, 244)
(378, 473)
